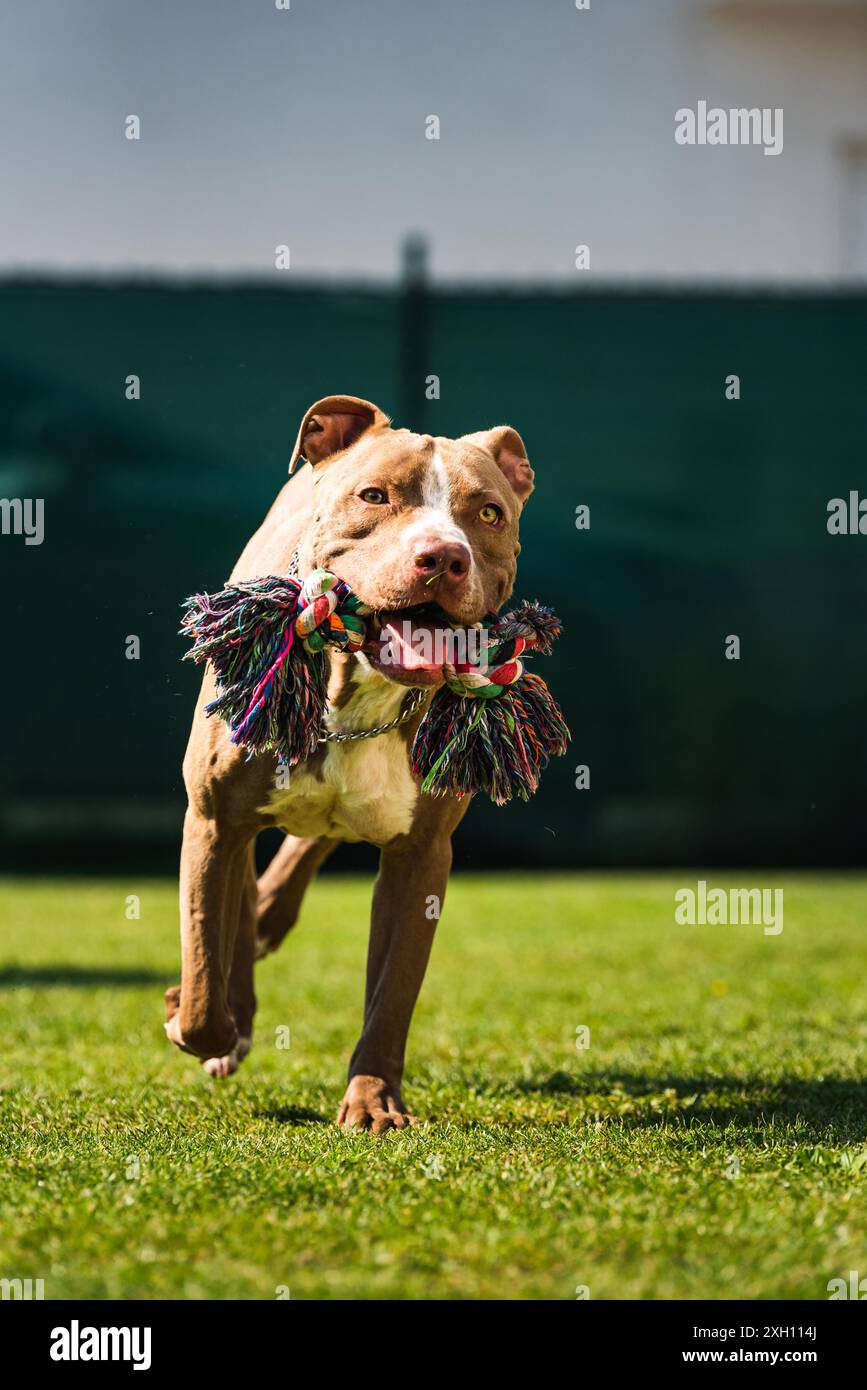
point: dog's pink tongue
(409, 645)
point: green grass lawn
(711, 1142)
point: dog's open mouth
(412, 645)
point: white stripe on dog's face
(435, 517)
(435, 489)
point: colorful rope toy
(492, 727)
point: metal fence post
(414, 332)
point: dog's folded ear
(507, 449)
(331, 425)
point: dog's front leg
(212, 880)
(407, 899)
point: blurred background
(453, 258)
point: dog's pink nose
(447, 561)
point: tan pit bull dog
(405, 519)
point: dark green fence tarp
(708, 518)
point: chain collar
(412, 701)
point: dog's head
(412, 523)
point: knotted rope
(263, 638)
(492, 726)
(533, 628)
(329, 614)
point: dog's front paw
(212, 1038)
(221, 1067)
(370, 1103)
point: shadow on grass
(84, 976)
(292, 1115)
(638, 1099)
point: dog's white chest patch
(361, 790)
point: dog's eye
(374, 495)
(490, 514)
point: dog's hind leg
(282, 887)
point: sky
(306, 127)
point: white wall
(306, 127)
(788, 217)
